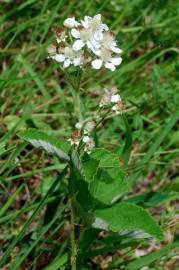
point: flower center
(105, 55)
(84, 34)
(108, 39)
(69, 53)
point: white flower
(90, 33)
(89, 144)
(78, 125)
(97, 64)
(108, 47)
(100, 46)
(115, 98)
(69, 57)
(107, 60)
(59, 57)
(86, 139)
(94, 23)
(110, 96)
(109, 43)
(78, 45)
(70, 22)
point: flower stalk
(85, 44)
(76, 88)
(72, 221)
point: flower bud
(51, 49)
(78, 125)
(115, 98)
(70, 22)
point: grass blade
(29, 221)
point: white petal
(115, 108)
(78, 125)
(115, 49)
(98, 35)
(70, 22)
(76, 62)
(75, 33)
(110, 66)
(115, 98)
(105, 27)
(85, 131)
(66, 64)
(59, 57)
(93, 44)
(78, 44)
(97, 64)
(96, 51)
(98, 17)
(86, 139)
(97, 45)
(89, 45)
(85, 22)
(116, 61)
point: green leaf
(52, 145)
(105, 176)
(127, 217)
(108, 185)
(90, 167)
(106, 158)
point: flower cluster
(87, 41)
(77, 136)
(89, 144)
(111, 96)
(110, 99)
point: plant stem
(72, 194)
(102, 118)
(77, 93)
(72, 222)
(72, 235)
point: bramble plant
(97, 178)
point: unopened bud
(51, 49)
(70, 22)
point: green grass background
(34, 93)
